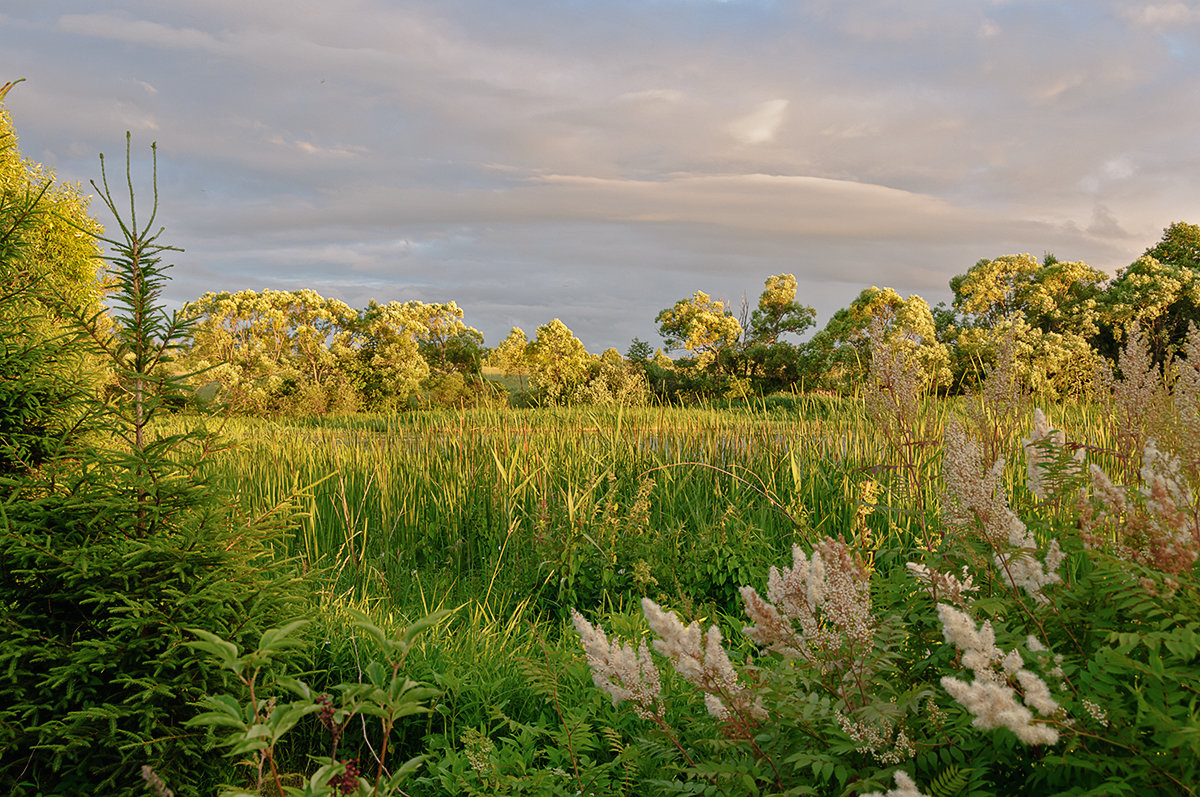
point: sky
(598, 160)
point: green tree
(55, 245)
(1050, 295)
(558, 362)
(1179, 245)
(278, 351)
(444, 340)
(778, 313)
(840, 354)
(50, 264)
(511, 356)
(108, 552)
(614, 381)
(1052, 309)
(391, 365)
(639, 351)
(700, 325)
(1160, 291)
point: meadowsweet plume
(816, 606)
(618, 670)
(905, 787)
(975, 503)
(879, 737)
(1186, 395)
(1155, 525)
(991, 697)
(1043, 448)
(1175, 532)
(703, 662)
(944, 586)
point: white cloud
(136, 31)
(1163, 15)
(760, 125)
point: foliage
(1052, 311)
(273, 349)
(48, 262)
(297, 352)
(701, 325)
(54, 245)
(840, 353)
(107, 551)
(256, 721)
(1160, 297)
(558, 362)
(1000, 657)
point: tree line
(297, 352)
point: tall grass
(530, 507)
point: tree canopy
(700, 325)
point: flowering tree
(1049, 309)
(701, 325)
(841, 352)
(558, 361)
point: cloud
(760, 125)
(1163, 15)
(534, 158)
(137, 31)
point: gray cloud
(595, 162)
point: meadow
(502, 523)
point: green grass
(529, 506)
(514, 516)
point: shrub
(1057, 654)
(110, 550)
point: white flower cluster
(828, 595)
(703, 662)
(905, 787)
(974, 501)
(620, 671)
(880, 738)
(1161, 530)
(1096, 712)
(1170, 504)
(944, 586)
(990, 697)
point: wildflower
(620, 671)
(831, 583)
(347, 782)
(703, 662)
(1042, 449)
(154, 782)
(905, 787)
(1155, 526)
(478, 748)
(886, 743)
(1098, 714)
(976, 503)
(944, 586)
(990, 697)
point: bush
(109, 549)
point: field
(511, 519)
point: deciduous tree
(839, 355)
(701, 325)
(558, 361)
